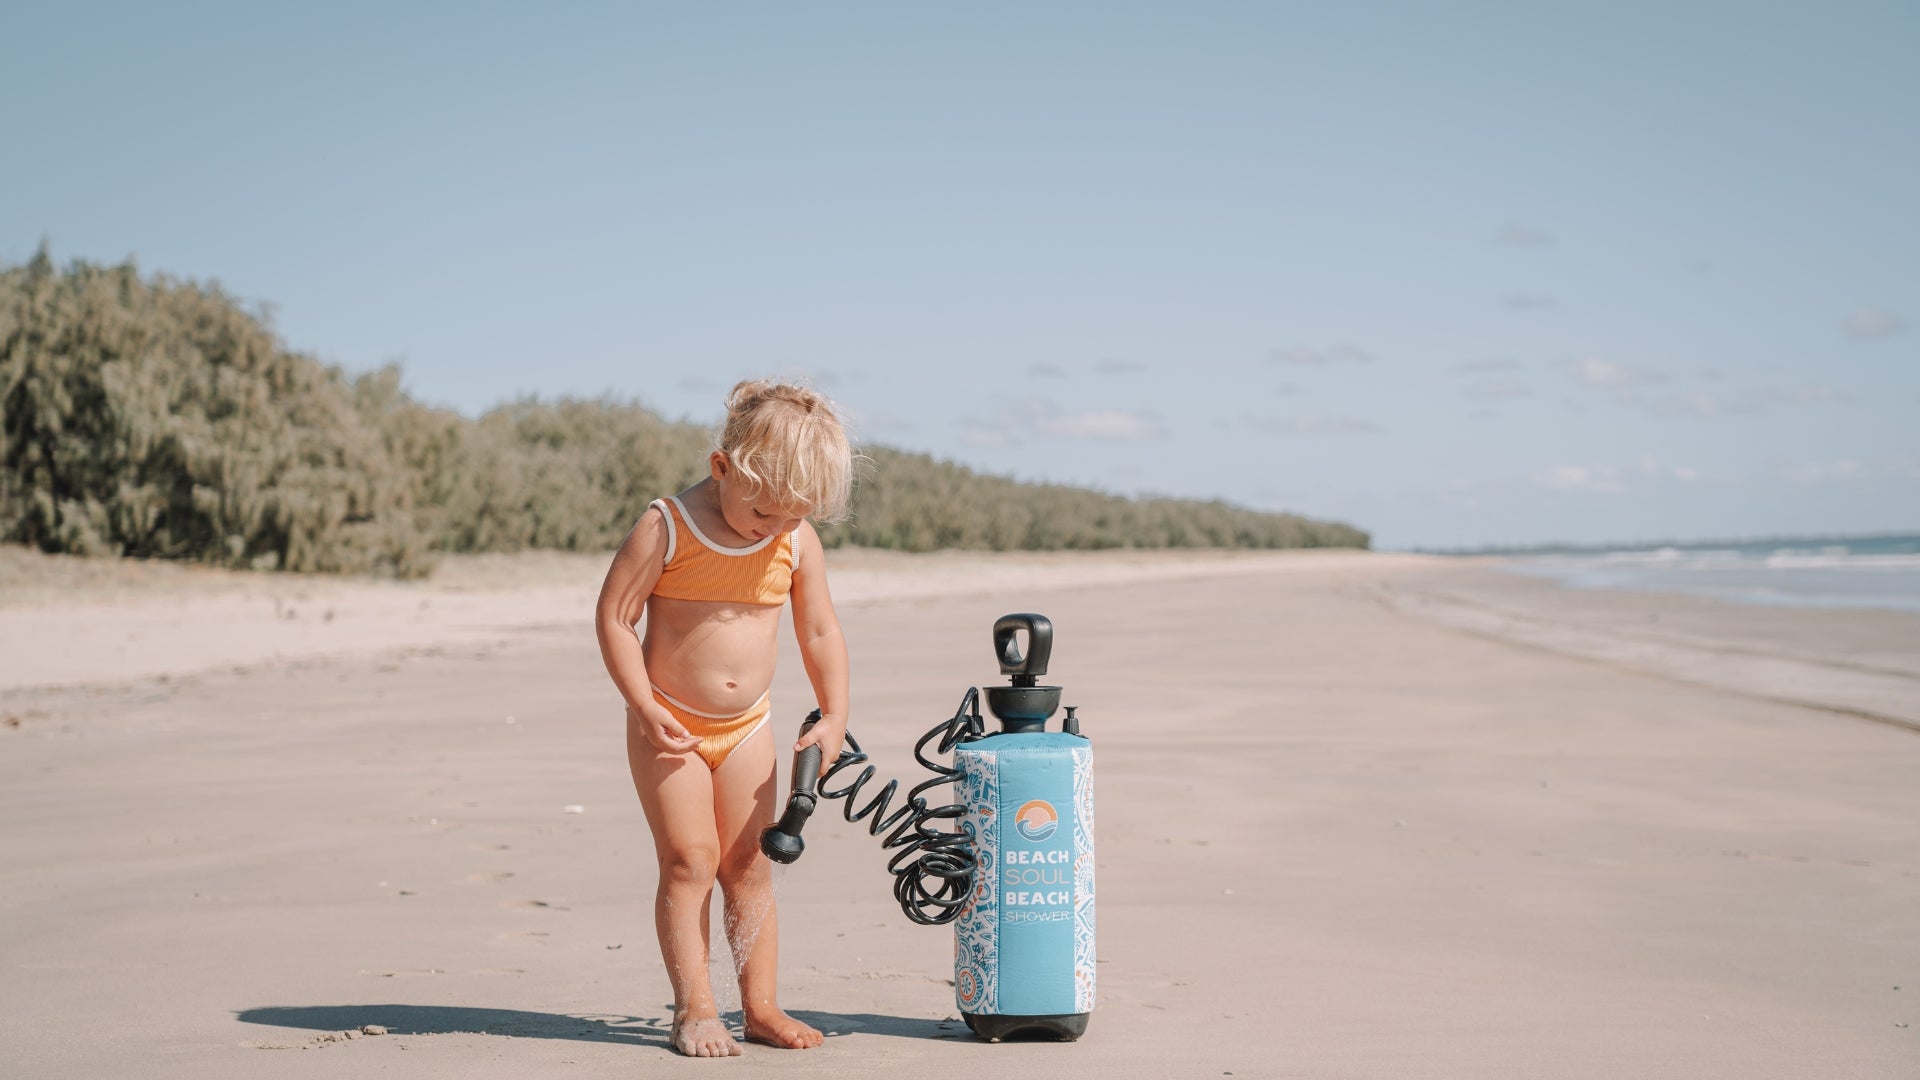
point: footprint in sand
(549, 905)
(491, 878)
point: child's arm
(823, 649)
(623, 598)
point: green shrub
(572, 475)
(912, 502)
(160, 418)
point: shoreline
(1859, 662)
(71, 624)
(68, 623)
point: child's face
(752, 516)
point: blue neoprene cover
(1024, 945)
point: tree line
(160, 418)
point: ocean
(1838, 572)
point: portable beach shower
(1015, 872)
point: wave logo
(967, 982)
(1036, 820)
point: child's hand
(827, 734)
(665, 733)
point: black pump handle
(806, 763)
(1039, 646)
(781, 840)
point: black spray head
(779, 846)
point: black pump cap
(1025, 705)
(1023, 670)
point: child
(712, 567)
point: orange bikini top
(699, 569)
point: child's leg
(677, 793)
(743, 799)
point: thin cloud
(1613, 480)
(1651, 466)
(1006, 428)
(1332, 357)
(987, 438)
(867, 423)
(1873, 323)
(1314, 424)
(1609, 375)
(1003, 427)
(1825, 472)
(1595, 479)
(1108, 426)
(1482, 367)
(1498, 389)
(1118, 367)
(1289, 390)
(1880, 471)
(1689, 405)
(1751, 401)
(819, 378)
(1046, 371)
(1523, 236)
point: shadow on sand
(585, 1027)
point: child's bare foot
(703, 1036)
(776, 1028)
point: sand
(1359, 816)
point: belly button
(731, 685)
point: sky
(1459, 274)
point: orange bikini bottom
(718, 735)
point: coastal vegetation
(153, 417)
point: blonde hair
(787, 441)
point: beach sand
(1359, 816)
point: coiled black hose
(932, 870)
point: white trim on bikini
(747, 734)
(683, 706)
(756, 727)
(672, 536)
(694, 527)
